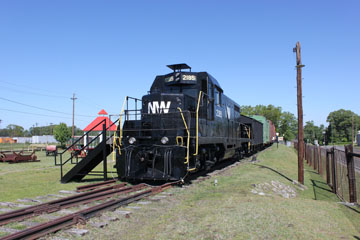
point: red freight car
(272, 132)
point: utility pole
(73, 117)
(0, 123)
(51, 129)
(352, 130)
(300, 115)
(332, 132)
(356, 132)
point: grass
(31, 179)
(230, 211)
(14, 146)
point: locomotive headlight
(164, 140)
(132, 140)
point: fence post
(333, 163)
(327, 168)
(351, 172)
(319, 156)
(314, 157)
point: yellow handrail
(188, 138)
(120, 131)
(122, 112)
(197, 125)
(182, 140)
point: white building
(43, 139)
(23, 139)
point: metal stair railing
(85, 147)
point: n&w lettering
(154, 107)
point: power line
(45, 109)
(87, 101)
(42, 94)
(32, 93)
(38, 89)
(73, 116)
(93, 104)
(37, 114)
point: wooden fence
(339, 166)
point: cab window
(217, 96)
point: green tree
(285, 122)
(27, 133)
(271, 112)
(313, 132)
(247, 110)
(62, 133)
(77, 131)
(4, 132)
(288, 126)
(15, 130)
(34, 131)
(340, 125)
(42, 130)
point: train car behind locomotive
(185, 123)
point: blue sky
(105, 50)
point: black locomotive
(185, 124)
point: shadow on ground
(275, 171)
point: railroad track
(98, 192)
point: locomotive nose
(161, 134)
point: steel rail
(81, 216)
(67, 198)
(67, 202)
(94, 186)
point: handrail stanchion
(188, 137)
(61, 166)
(197, 124)
(104, 151)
